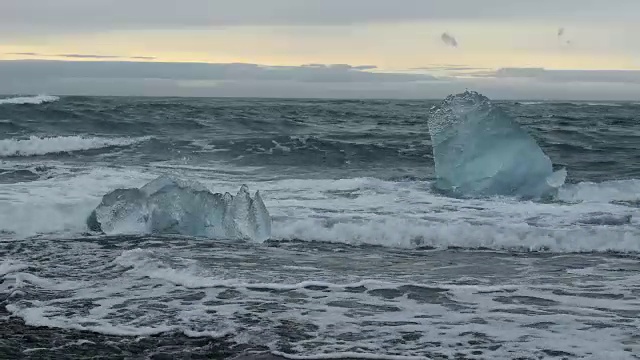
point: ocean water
(365, 260)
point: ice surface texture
(169, 205)
(480, 151)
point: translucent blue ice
(480, 151)
(172, 206)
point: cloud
(449, 67)
(202, 79)
(567, 76)
(97, 15)
(83, 56)
(25, 54)
(86, 56)
(313, 73)
(309, 81)
(449, 40)
(93, 56)
(519, 72)
(495, 88)
(341, 66)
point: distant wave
(573, 103)
(584, 103)
(601, 104)
(30, 100)
(576, 103)
(60, 144)
(530, 102)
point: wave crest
(589, 217)
(29, 100)
(60, 144)
(408, 234)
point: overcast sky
(564, 49)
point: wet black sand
(20, 341)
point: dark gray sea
(366, 260)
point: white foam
(211, 168)
(31, 100)
(408, 214)
(346, 315)
(40, 317)
(532, 103)
(405, 234)
(9, 266)
(348, 355)
(60, 144)
(145, 263)
(359, 211)
(60, 205)
(301, 268)
(25, 279)
(604, 192)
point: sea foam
(29, 100)
(35, 145)
(377, 212)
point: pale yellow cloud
(389, 46)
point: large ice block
(480, 151)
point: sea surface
(366, 260)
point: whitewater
(63, 144)
(28, 100)
(367, 259)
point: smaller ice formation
(480, 151)
(168, 205)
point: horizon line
(310, 98)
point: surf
(29, 100)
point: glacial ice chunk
(480, 151)
(169, 205)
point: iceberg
(480, 151)
(169, 205)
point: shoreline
(21, 341)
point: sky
(507, 49)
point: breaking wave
(589, 217)
(29, 100)
(35, 145)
